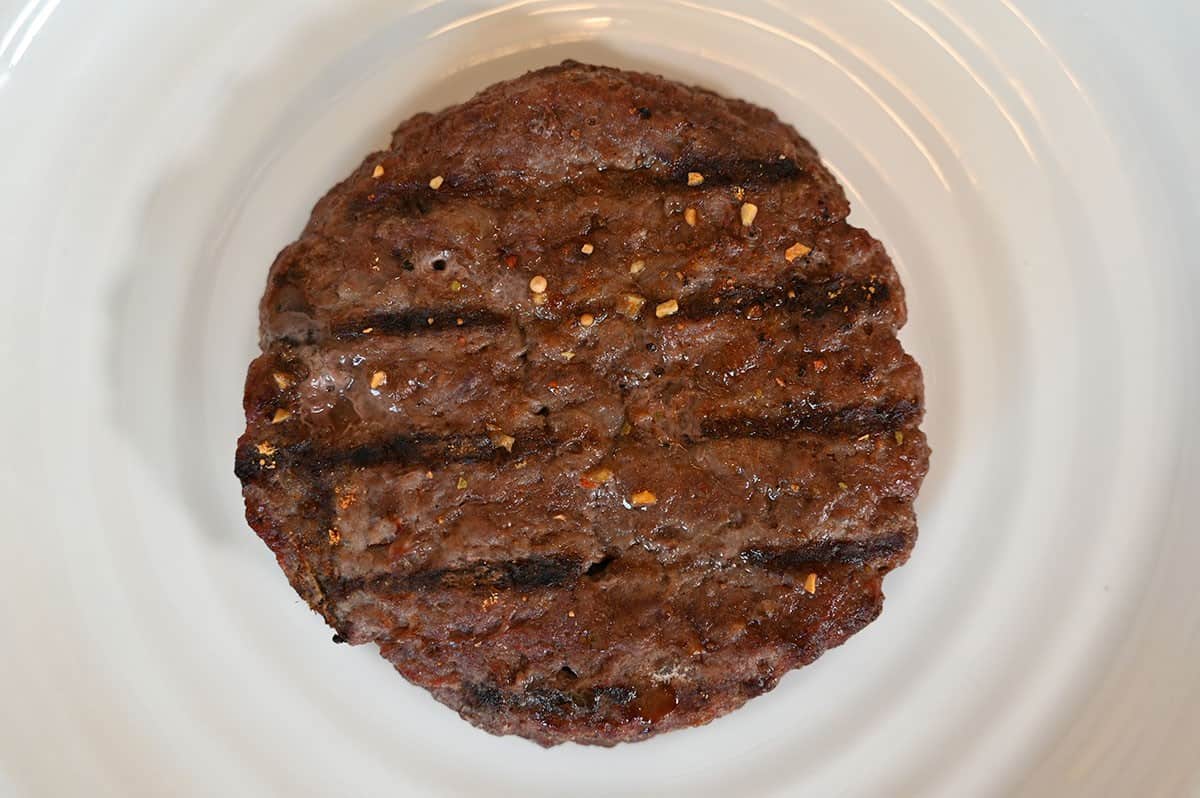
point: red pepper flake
(643, 498)
(631, 305)
(819, 365)
(510, 261)
(810, 584)
(595, 478)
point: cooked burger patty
(584, 402)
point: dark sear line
(852, 421)
(538, 571)
(430, 451)
(810, 299)
(850, 552)
(648, 703)
(735, 171)
(437, 451)
(419, 320)
(414, 198)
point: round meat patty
(585, 404)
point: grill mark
(528, 573)
(857, 420)
(438, 451)
(414, 198)
(736, 171)
(554, 703)
(418, 320)
(432, 451)
(811, 299)
(549, 571)
(850, 552)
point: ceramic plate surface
(1033, 169)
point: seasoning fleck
(436, 183)
(637, 266)
(843, 485)
(570, 613)
(335, 537)
(266, 449)
(378, 378)
(281, 415)
(587, 249)
(668, 308)
(749, 211)
(796, 250)
(643, 498)
(282, 381)
(538, 284)
(368, 330)
(595, 478)
(587, 320)
(689, 216)
(810, 584)
(740, 193)
(504, 441)
(378, 172)
(559, 517)
(695, 178)
(899, 436)
(455, 286)
(631, 305)
(462, 483)
(819, 365)
(568, 355)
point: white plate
(1031, 166)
